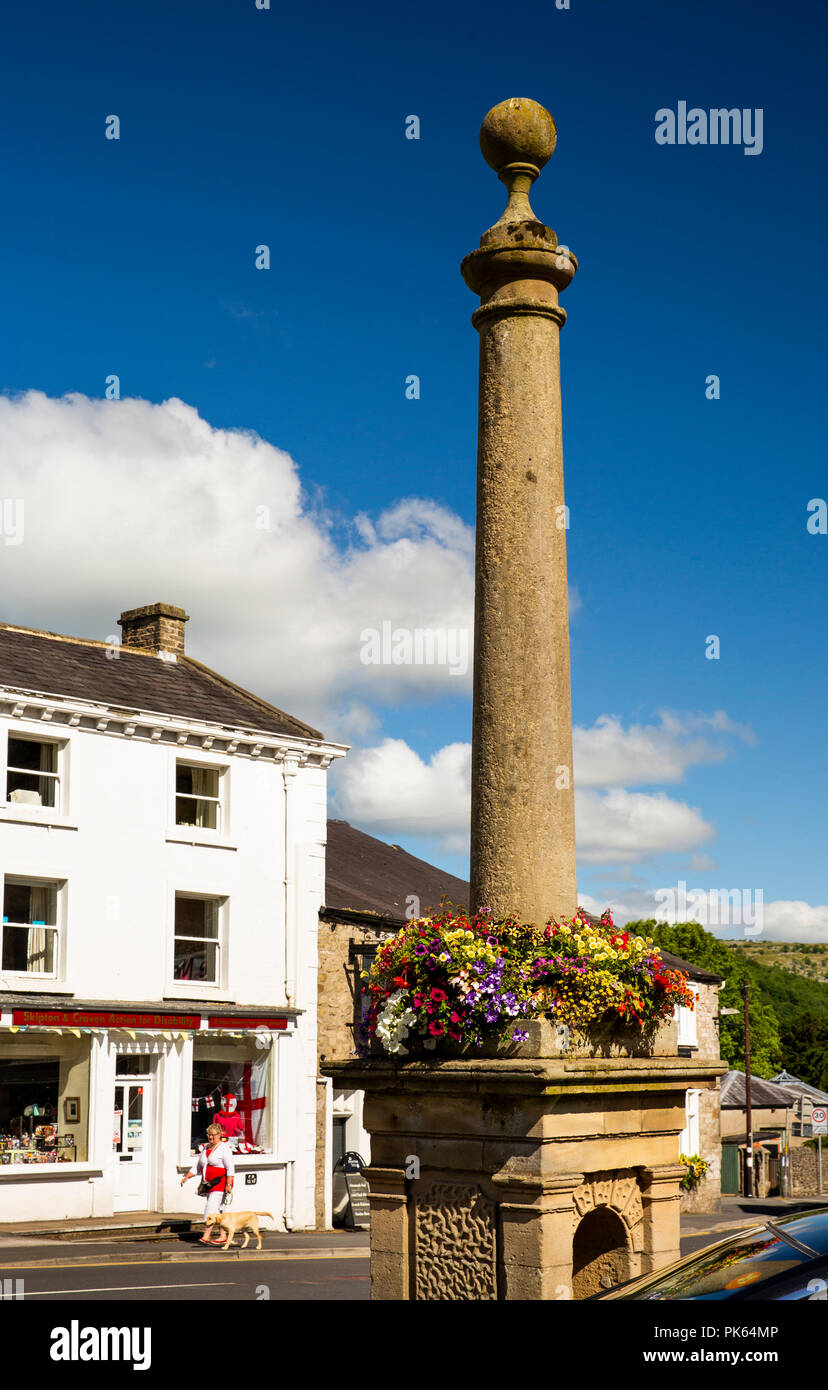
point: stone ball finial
(517, 131)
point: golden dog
(233, 1221)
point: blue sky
(242, 127)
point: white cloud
(619, 827)
(608, 755)
(795, 921)
(390, 788)
(127, 502)
(781, 920)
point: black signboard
(359, 1210)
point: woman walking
(216, 1169)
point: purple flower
(520, 1035)
(420, 950)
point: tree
(805, 1048)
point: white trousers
(213, 1203)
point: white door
(132, 1142)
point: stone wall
(707, 1023)
(804, 1172)
(337, 1013)
(339, 984)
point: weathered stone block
(581, 1194)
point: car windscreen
(723, 1271)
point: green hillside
(797, 957)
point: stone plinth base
(521, 1178)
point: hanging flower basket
(460, 984)
(697, 1169)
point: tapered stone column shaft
(523, 821)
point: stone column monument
(551, 1170)
(523, 822)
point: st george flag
(249, 1083)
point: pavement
(155, 1238)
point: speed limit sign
(819, 1120)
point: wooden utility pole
(748, 1109)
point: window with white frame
(197, 939)
(198, 801)
(30, 944)
(687, 1029)
(32, 772)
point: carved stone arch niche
(608, 1232)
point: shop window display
(218, 1082)
(32, 1127)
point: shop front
(102, 1113)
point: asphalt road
(211, 1279)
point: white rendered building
(162, 852)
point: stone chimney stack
(157, 627)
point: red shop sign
(57, 1018)
(271, 1024)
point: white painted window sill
(36, 984)
(9, 1172)
(199, 994)
(182, 835)
(51, 820)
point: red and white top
(217, 1166)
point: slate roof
(764, 1095)
(693, 972)
(801, 1088)
(75, 668)
(366, 875)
